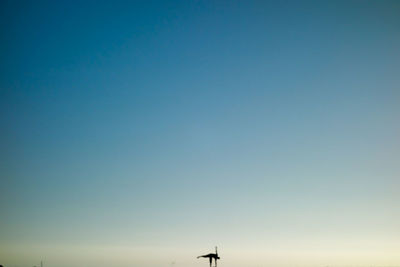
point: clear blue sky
(145, 133)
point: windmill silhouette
(211, 256)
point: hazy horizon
(145, 133)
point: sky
(145, 133)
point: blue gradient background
(145, 133)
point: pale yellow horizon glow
(300, 253)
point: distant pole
(41, 263)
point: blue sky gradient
(145, 133)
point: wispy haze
(145, 133)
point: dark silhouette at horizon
(211, 256)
